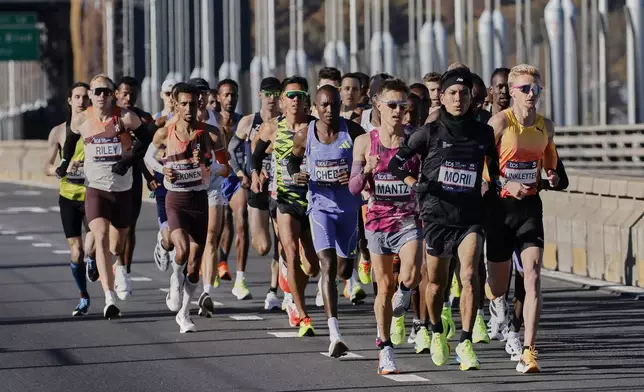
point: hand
(170, 174)
(120, 168)
(485, 186)
(263, 175)
(153, 185)
(343, 178)
(62, 169)
(372, 163)
(553, 178)
(301, 178)
(256, 182)
(161, 121)
(517, 189)
(74, 165)
(245, 182)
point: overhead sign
(19, 37)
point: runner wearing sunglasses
(526, 147)
(291, 195)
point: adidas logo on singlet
(345, 145)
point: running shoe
(306, 327)
(412, 333)
(222, 270)
(319, 299)
(122, 283)
(283, 276)
(185, 322)
(387, 361)
(439, 349)
(293, 315)
(240, 290)
(206, 306)
(479, 333)
(110, 310)
(337, 348)
(422, 342)
(216, 282)
(401, 302)
(272, 301)
(161, 256)
(466, 357)
(82, 308)
(498, 318)
(287, 298)
(514, 346)
(528, 361)
(364, 271)
(347, 292)
(357, 294)
(175, 293)
(91, 269)
(455, 289)
(398, 330)
(448, 323)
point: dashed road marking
(8, 232)
(54, 208)
(164, 290)
(215, 303)
(140, 279)
(61, 251)
(290, 334)
(41, 245)
(405, 377)
(25, 238)
(242, 317)
(27, 193)
(18, 210)
(348, 355)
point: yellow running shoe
(449, 328)
(422, 342)
(346, 292)
(357, 294)
(240, 290)
(216, 282)
(398, 332)
(479, 333)
(439, 348)
(364, 271)
(455, 289)
(466, 357)
(306, 327)
(528, 362)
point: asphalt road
(589, 340)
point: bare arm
(52, 150)
(498, 122)
(299, 148)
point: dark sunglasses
(525, 88)
(396, 104)
(270, 94)
(98, 91)
(296, 94)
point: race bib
(267, 164)
(187, 175)
(287, 180)
(328, 171)
(107, 149)
(523, 172)
(77, 176)
(457, 176)
(389, 188)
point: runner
(350, 92)
(213, 104)
(391, 223)
(517, 219)
(423, 93)
(499, 90)
(432, 82)
(327, 75)
(479, 92)
(364, 89)
(371, 117)
(109, 155)
(453, 150)
(72, 199)
(332, 209)
(291, 194)
(258, 203)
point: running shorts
(137, 193)
(259, 200)
(215, 193)
(116, 207)
(188, 211)
(272, 208)
(230, 186)
(72, 214)
(514, 225)
(389, 243)
(296, 211)
(335, 231)
(443, 241)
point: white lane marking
(25, 238)
(349, 355)
(18, 210)
(61, 251)
(140, 279)
(164, 290)
(8, 232)
(289, 334)
(405, 377)
(215, 303)
(241, 317)
(41, 245)
(54, 208)
(27, 193)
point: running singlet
(392, 204)
(268, 160)
(365, 121)
(72, 186)
(105, 142)
(286, 190)
(183, 158)
(325, 163)
(522, 149)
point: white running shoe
(337, 347)
(185, 322)
(319, 300)
(122, 283)
(175, 294)
(514, 346)
(387, 361)
(288, 298)
(401, 302)
(161, 256)
(272, 301)
(110, 310)
(498, 318)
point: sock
(447, 304)
(525, 348)
(189, 289)
(206, 288)
(450, 300)
(78, 272)
(385, 343)
(176, 268)
(223, 256)
(110, 297)
(437, 328)
(239, 277)
(273, 290)
(334, 328)
(417, 324)
(403, 287)
(465, 335)
(480, 313)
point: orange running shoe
(222, 269)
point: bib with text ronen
(327, 171)
(287, 180)
(457, 176)
(390, 188)
(523, 172)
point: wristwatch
(500, 182)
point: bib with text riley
(107, 149)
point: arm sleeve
(259, 154)
(232, 146)
(71, 139)
(358, 179)
(150, 159)
(408, 149)
(294, 163)
(139, 147)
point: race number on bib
(328, 171)
(523, 172)
(107, 149)
(457, 176)
(287, 179)
(390, 188)
(76, 176)
(187, 176)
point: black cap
(270, 83)
(456, 76)
(199, 83)
(375, 83)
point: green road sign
(18, 18)
(19, 43)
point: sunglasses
(98, 91)
(270, 94)
(526, 88)
(396, 104)
(296, 94)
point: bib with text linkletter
(523, 172)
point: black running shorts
(443, 241)
(296, 211)
(72, 214)
(259, 200)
